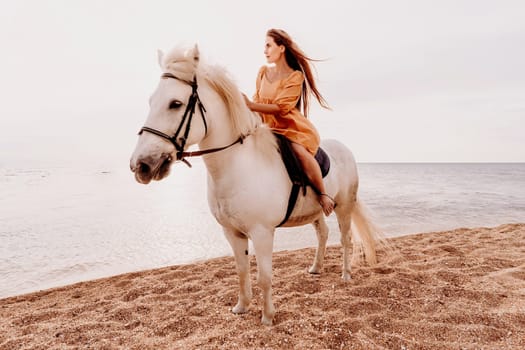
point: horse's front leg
(263, 244)
(239, 244)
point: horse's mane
(180, 62)
(243, 120)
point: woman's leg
(313, 171)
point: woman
(280, 89)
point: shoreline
(451, 289)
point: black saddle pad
(324, 162)
(293, 166)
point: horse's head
(176, 119)
(193, 104)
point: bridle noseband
(193, 101)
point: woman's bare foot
(327, 203)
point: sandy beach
(460, 289)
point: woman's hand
(268, 108)
(247, 101)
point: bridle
(180, 141)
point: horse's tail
(366, 236)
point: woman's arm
(262, 107)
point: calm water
(59, 225)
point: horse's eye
(175, 104)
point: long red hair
(298, 60)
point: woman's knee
(300, 151)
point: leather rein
(180, 141)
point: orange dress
(289, 122)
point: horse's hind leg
(321, 230)
(239, 244)
(344, 218)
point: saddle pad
(296, 173)
(293, 166)
(323, 160)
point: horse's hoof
(346, 277)
(239, 309)
(267, 321)
(314, 270)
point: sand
(460, 289)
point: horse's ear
(193, 54)
(160, 56)
(196, 53)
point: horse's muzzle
(148, 168)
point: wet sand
(459, 289)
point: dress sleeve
(290, 92)
(258, 84)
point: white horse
(248, 185)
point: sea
(61, 225)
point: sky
(408, 81)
